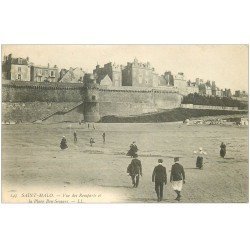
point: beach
(32, 162)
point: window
(51, 73)
(20, 61)
(19, 77)
(19, 69)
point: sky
(227, 65)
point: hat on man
(176, 159)
(160, 160)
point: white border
(196, 226)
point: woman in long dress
(223, 149)
(199, 159)
(63, 144)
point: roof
(106, 81)
(73, 75)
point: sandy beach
(32, 162)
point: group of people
(159, 176)
(63, 143)
(201, 152)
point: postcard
(124, 124)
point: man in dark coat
(159, 177)
(177, 177)
(223, 149)
(135, 170)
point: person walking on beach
(63, 144)
(103, 137)
(177, 177)
(159, 177)
(199, 159)
(133, 150)
(91, 141)
(135, 170)
(223, 149)
(75, 136)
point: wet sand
(32, 160)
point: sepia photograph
(124, 124)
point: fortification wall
(125, 96)
(27, 102)
(31, 111)
(163, 100)
(125, 108)
(125, 103)
(40, 93)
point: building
(44, 74)
(169, 78)
(205, 89)
(139, 74)
(227, 93)
(179, 80)
(15, 69)
(192, 87)
(214, 88)
(72, 75)
(113, 70)
(239, 93)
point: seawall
(30, 101)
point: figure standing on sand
(75, 136)
(103, 137)
(133, 150)
(159, 177)
(63, 144)
(177, 177)
(223, 149)
(135, 170)
(199, 159)
(91, 141)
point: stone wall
(41, 93)
(33, 101)
(32, 111)
(192, 106)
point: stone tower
(91, 101)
